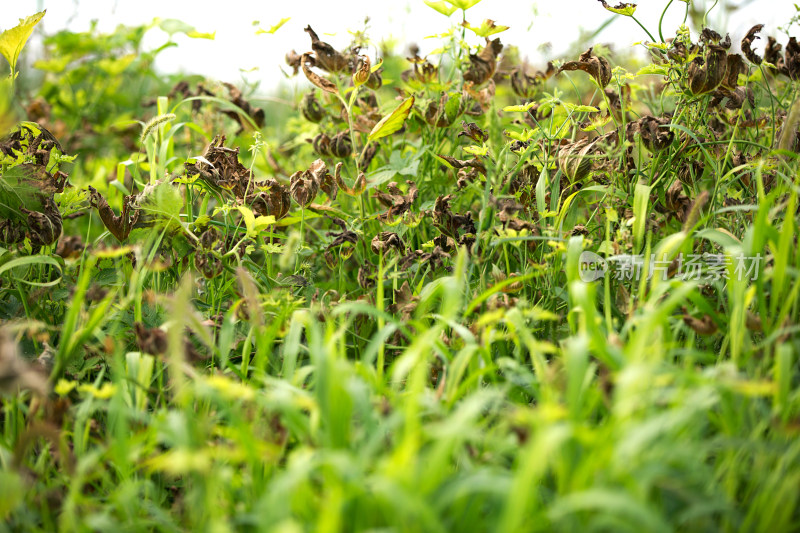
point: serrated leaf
(519, 108)
(580, 108)
(13, 41)
(651, 69)
(476, 150)
(22, 186)
(597, 123)
(487, 28)
(393, 121)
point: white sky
(236, 46)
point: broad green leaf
(263, 222)
(441, 7)
(452, 107)
(22, 186)
(12, 492)
(13, 41)
(393, 121)
(274, 28)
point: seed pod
(654, 137)
(473, 131)
(341, 145)
(362, 73)
(311, 108)
(597, 67)
(387, 240)
(207, 258)
(375, 80)
(747, 44)
(304, 187)
(273, 200)
(708, 72)
(525, 85)
(44, 228)
(358, 187)
(574, 159)
(484, 63)
(327, 57)
(322, 145)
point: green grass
(414, 350)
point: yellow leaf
(249, 220)
(487, 28)
(194, 34)
(274, 28)
(12, 41)
(519, 108)
(393, 121)
(63, 387)
(263, 222)
(442, 7)
(103, 393)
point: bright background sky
(533, 23)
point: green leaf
(441, 7)
(22, 186)
(274, 28)
(393, 121)
(12, 492)
(452, 107)
(13, 41)
(641, 197)
(164, 202)
(653, 70)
